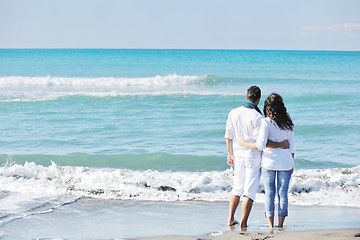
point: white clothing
(278, 158)
(248, 124)
(246, 177)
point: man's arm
(230, 157)
(284, 144)
(243, 143)
(270, 144)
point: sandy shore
(344, 234)
(114, 219)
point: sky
(181, 24)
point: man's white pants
(247, 173)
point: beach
(346, 234)
(113, 219)
(129, 143)
(116, 119)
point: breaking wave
(48, 88)
(338, 186)
(169, 80)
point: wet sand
(116, 219)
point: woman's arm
(292, 147)
(270, 144)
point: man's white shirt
(248, 124)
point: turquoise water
(115, 127)
(166, 109)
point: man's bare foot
(232, 222)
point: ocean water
(149, 124)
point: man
(246, 122)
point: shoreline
(331, 234)
(90, 218)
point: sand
(344, 234)
(117, 219)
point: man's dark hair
(253, 93)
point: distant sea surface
(149, 124)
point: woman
(277, 163)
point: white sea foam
(168, 80)
(340, 186)
(27, 89)
(321, 186)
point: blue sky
(194, 24)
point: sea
(148, 124)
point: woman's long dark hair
(274, 108)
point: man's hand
(284, 144)
(230, 160)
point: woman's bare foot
(243, 229)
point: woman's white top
(278, 158)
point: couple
(254, 142)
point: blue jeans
(283, 180)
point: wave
(338, 186)
(48, 88)
(169, 80)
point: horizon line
(215, 49)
